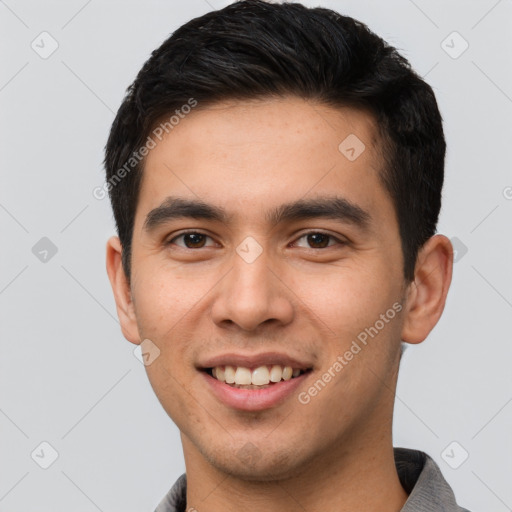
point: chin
(249, 463)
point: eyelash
(332, 237)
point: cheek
(347, 297)
(173, 390)
(161, 310)
(364, 324)
(161, 299)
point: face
(293, 259)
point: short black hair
(255, 49)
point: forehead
(259, 152)
(288, 121)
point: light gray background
(68, 377)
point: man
(275, 174)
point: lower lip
(254, 399)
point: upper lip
(254, 360)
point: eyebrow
(329, 207)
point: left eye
(318, 240)
(192, 240)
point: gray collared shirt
(419, 475)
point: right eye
(191, 240)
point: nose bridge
(252, 277)
(251, 293)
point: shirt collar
(422, 479)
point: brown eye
(319, 240)
(191, 240)
(194, 240)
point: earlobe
(426, 296)
(121, 290)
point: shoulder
(423, 480)
(176, 499)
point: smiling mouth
(257, 378)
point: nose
(252, 294)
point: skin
(309, 301)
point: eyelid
(341, 240)
(169, 241)
(338, 239)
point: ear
(121, 289)
(426, 295)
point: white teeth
(242, 376)
(220, 375)
(260, 376)
(276, 372)
(229, 374)
(287, 372)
